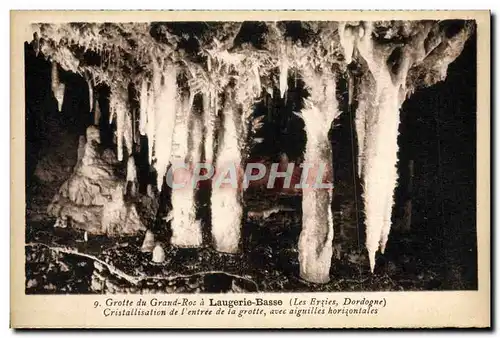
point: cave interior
(437, 135)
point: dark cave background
(437, 132)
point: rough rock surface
(56, 162)
(92, 199)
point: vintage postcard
(250, 169)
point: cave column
(226, 199)
(186, 229)
(315, 241)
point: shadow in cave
(270, 244)
(438, 133)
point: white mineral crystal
(149, 242)
(158, 254)
(57, 87)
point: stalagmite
(57, 86)
(158, 254)
(186, 230)
(81, 149)
(149, 191)
(232, 149)
(92, 197)
(120, 217)
(148, 244)
(132, 176)
(315, 241)
(227, 210)
(97, 112)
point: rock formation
(204, 83)
(92, 198)
(391, 57)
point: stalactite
(348, 36)
(120, 121)
(97, 112)
(380, 173)
(150, 125)
(379, 93)
(283, 80)
(91, 93)
(210, 108)
(165, 89)
(195, 137)
(315, 241)
(118, 109)
(128, 132)
(143, 106)
(208, 141)
(256, 74)
(135, 133)
(186, 230)
(379, 110)
(57, 86)
(347, 40)
(363, 108)
(112, 113)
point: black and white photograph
(250, 169)
(211, 157)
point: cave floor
(60, 261)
